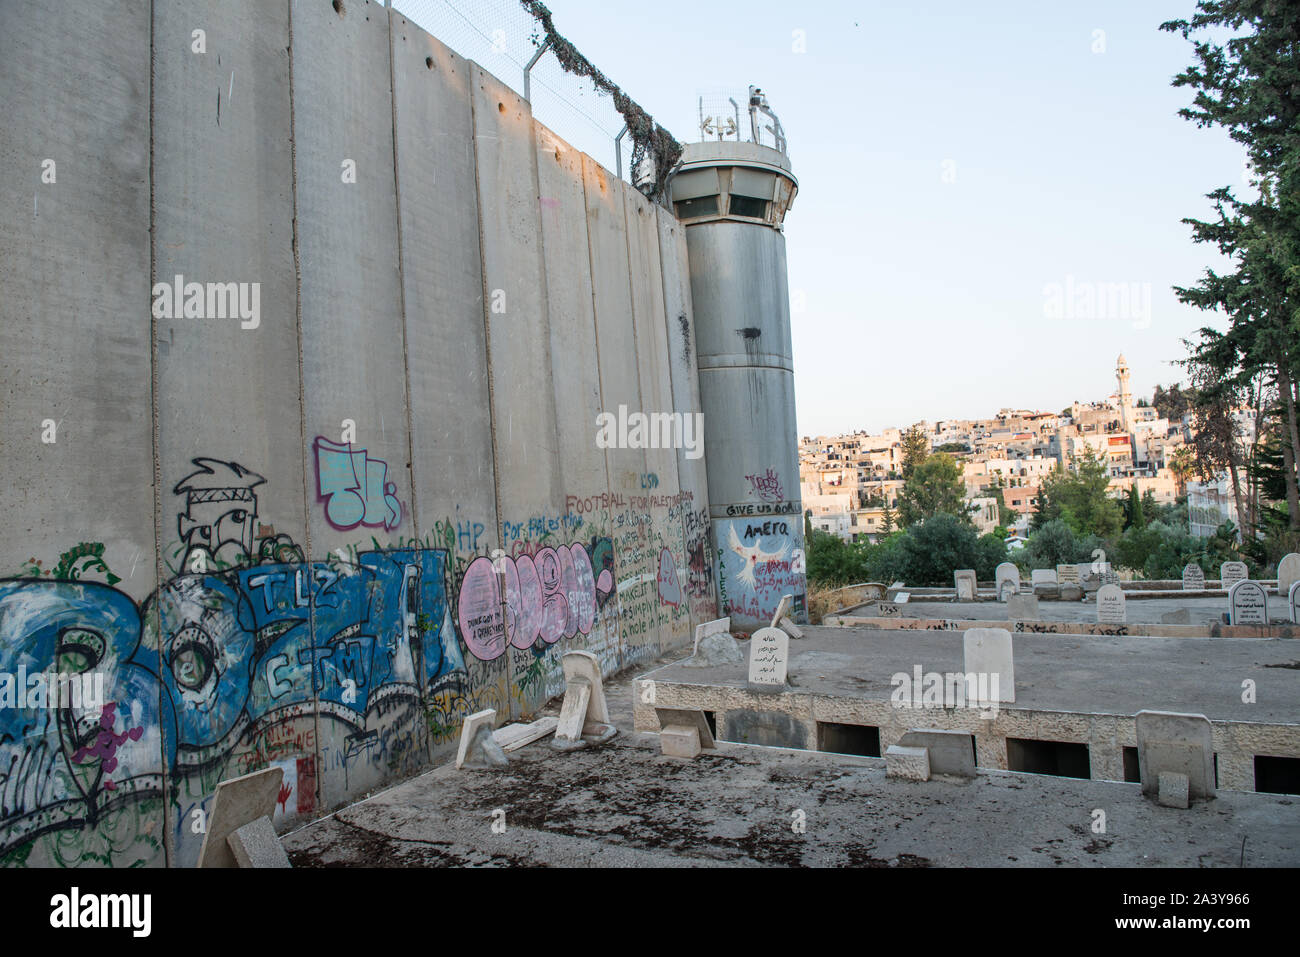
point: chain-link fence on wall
(568, 93)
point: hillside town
(851, 483)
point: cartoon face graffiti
(220, 514)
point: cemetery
(773, 749)
(1170, 703)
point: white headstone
(1110, 605)
(964, 578)
(1232, 572)
(1043, 576)
(716, 627)
(1171, 743)
(1247, 604)
(1292, 596)
(988, 651)
(1067, 573)
(1006, 574)
(584, 713)
(1288, 573)
(1193, 577)
(769, 657)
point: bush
(1053, 544)
(832, 561)
(933, 549)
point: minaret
(1125, 396)
(732, 196)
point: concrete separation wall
(268, 460)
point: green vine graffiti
(76, 561)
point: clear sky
(925, 295)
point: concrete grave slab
(469, 730)
(1043, 576)
(237, 802)
(989, 651)
(1247, 603)
(512, 737)
(687, 718)
(1111, 605)
(909, 764)
(678, 741)
(584, 714)
(716, 650)
(949, 752)
(790, 628)
(718, 626)
(257, 845)
(782, 609)
(1179, 743)
(1180, 617)
(1022, 607)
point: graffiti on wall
(766, 486)
(757, 565)
(354, 487)
(523, 599)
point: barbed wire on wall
(567, 92)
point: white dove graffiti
(753, 556)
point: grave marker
(1022, 608)
(1067, 573)
(950, 752)
(1193, 577)
(715, 627)
(584, 715)
(1172, 743)
(238, 801)
(1006, 574)
(1111, 605)
(1247, 603)
(1292, 597)
(1232, 572)
(988, 651)
(769, 658)
(1288, 573)
(964, 579)
(478, 748)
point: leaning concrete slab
(950, 752)
(237, 802)
(1179, 743)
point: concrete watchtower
(732, 196)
